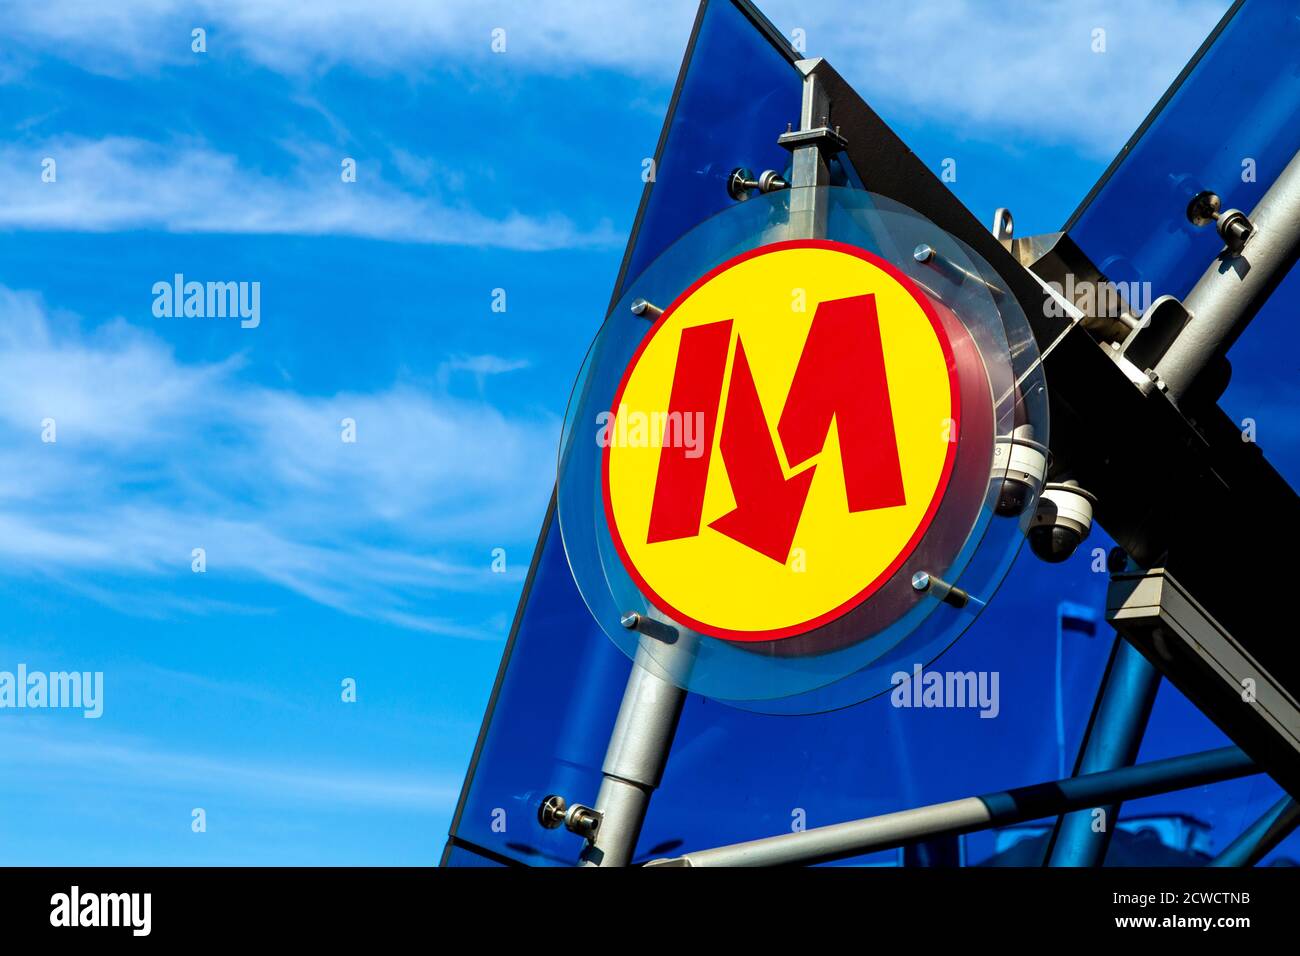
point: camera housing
(1061, 521)
(1020, 464)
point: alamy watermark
(74, 908)
(38, 690)
(1103, 299)
(631, 429)
(922, 688)
(208, 300)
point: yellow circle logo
(781, 440)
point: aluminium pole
(1261, 836)
(1235, 285)
(842, 840)
(638, 750)
(1112, 740)
(652, 701)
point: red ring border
(954, 391)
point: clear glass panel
(965, 545)
(459, 856)
(1231, 127)
(1263, 396)
(738, 94)
(735, 775)
(550, 723)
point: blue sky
(371, 560)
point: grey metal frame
(652, 701)
(1161, 619)
(1262, 835)
(634, 763)
(1112, 740)
(841, 840)
(1220, 305)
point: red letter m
(840, 377)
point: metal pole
(841, 840)
(1233, 288)
(1261, 836)
(808, 163)
(1060, 700)
(652, 704)
(634, 762)
(1114, 735)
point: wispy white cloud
(986, 68)
(155, 456)
(122, 183)
(396, 35)
(131, 763)
(479, 367)
(484, 364)
(983, 66)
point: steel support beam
(1261, 836)
(634, 761)
(1112, 740)
(1174, 485)
(841, 840)
(1220, 675)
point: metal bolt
(631, 620)
(954, 597)
(551, 812)
(771, 181)
(1155, 380)
(555, 812)
(741, 183)
(926, 255)
(1203, 209)
(646, 309)
(1233, 226)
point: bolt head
(551, 813)
(1203, 209)
(920, 581)
(923, 253)
(739, 183)
(630, 620)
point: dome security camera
(1020, 464)
(1062, 521)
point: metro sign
(822, 389)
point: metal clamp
(555, 812)
(825, 140)
(742, 183)
(1234, 226)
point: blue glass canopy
(736, 775)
